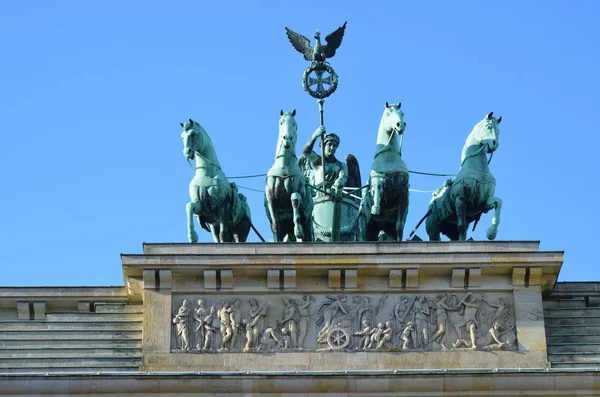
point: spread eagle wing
(333, 41)
(353, 171)
(300, 43)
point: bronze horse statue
(288, 202)
(463, 199)
(384, 205)
(214, 200)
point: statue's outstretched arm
(308, 149)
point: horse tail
(203, 224)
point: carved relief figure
(288, 321)
(376, 335)
(331, 310)
(284, 338)
(401, 311)
(269, 340)
(421, 309)
(226, 329)
(250, 338)
(365, 335)
(386, 335)
(406, 335)
(471, 307)
(497, 333)
(303, 307)
(181, 321)
(256, 326)
(442, 319)
(209, 329)
(236, 321)
(199, 314)
(362, 309)
(502, 312)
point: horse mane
(471, 138)
(390, 140)
(209, 147)
(279, 137)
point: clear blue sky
(92, 94)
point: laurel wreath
(326, 93)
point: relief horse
(462, 200)
(214, 200)
(288, 202)
(385, 201)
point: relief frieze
(343, 322)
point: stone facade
(330, 306)
(341, 319)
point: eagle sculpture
(319, 53)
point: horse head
(191, 137)
(287, 132)
(393, 119)
(487, 132)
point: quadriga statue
(463, 199)
(288, 201)
(214, 200)
(385, 202)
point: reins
(387, 146)
(196, 153)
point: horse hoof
(491, 233)
(193, 237)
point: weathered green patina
(214, 200)
(384, 204)
(288, 202)
(463, 199)
(334, 216)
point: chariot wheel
(338, 338)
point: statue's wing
(334, 40)
(300, 43)
(353, 171)
(304, 165)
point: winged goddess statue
(319, 53)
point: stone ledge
(343, 247)
(382, 383)
(343, 361)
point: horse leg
(270, 195)
(461, 216)
(496, 204)
(307, 208)
(191, 208)
(376, 196)
(402, 213)
(362, 225)
(215, 231)
(432, 226)
(224, 220)
(236, 235)
(292, 188)
(296, 203)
